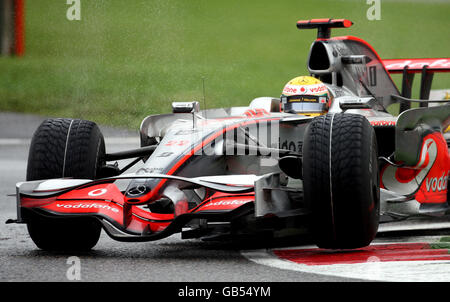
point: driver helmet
(305, 95)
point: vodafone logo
(437, 184)
(97, 192)
(87, 206)
(318, 89)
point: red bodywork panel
(427, 181)
(434, 187)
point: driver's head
(305, 95)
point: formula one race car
(262, 170)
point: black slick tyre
(341, 180)
(65, 148)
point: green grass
(127, 59)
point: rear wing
(409, 67)
(352, 62)
(417, 65)
(324, 26)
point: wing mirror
(357, 103)
(185, 107)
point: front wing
(102, 200)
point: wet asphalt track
(171, 259)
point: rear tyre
(341, 180)
(65, 148)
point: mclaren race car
(257, 170)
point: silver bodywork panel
(411, 127)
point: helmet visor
(305, 103)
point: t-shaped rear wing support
(324, 26)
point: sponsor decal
(226, 203)
(180, 143)
(186, 131)
(311, 89)
(437, 184)
(87, 206)
(302, 99)
(289, 90)
(256, 112)
(382, 123)
(318, 89)
(156, 170)
(97, 192)
(295, 146)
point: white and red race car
(253, 171)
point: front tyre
(65, 148)
(341, 180)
